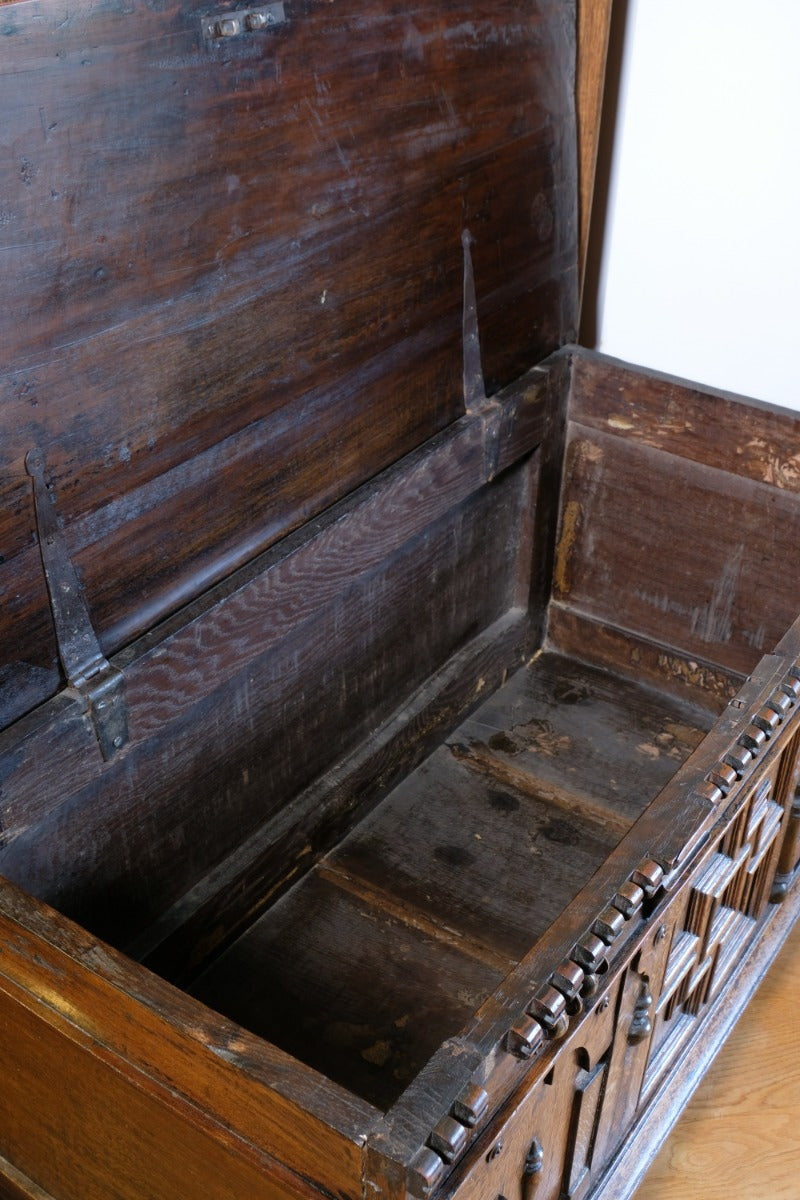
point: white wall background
(700, 268)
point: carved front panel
(790, 848)
(610, 1025)
(551, 1139)
(725, 898)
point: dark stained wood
(237, 286)
(473, 859)
(412, 611)
(378, 516)
(639, 658)
(675, 827)
(689, 569)
(556, 398)
(610, 743)
(475, 855)
(457, 558)
(215, 910)
(358, 992)
(567, 1080)
(750, 438)
(265, 600)
(349, 859)
(581, 1080)
(485, 1038)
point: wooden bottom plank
(401, 931)
(476, 855)
(610, 741)
(208, 917)
(354, 991)
(665, 668)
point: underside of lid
(232, 242)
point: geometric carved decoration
(724, 903)
(589, 1088)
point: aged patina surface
(399, 720)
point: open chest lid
(232, 241)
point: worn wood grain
(611, 743)
(358, 532)
(203, 920)
(200, 776)
(236, 336)
(691, 568)
(221, 254)
(353, 536)
(645, 660)
(717, 429)
(474, 854)
(674, 828)
(355, 991)
(556, 399)
(460, 855)
(162, 1042)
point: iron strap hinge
(100, 686)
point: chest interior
(430, 630)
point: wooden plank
(171, 555)
(518, 813)
(129, 1023)
(513, 428)
(213, 912)
(556, 397)
(360, 994)
(224, 255)
(478, 863)
(476, 855)
(689, 569)
(367, 525)
(750, 438)
(208, 706)
(578, 636)
(609, 742)
(674, 829)
(309, 569)
(106, 1134)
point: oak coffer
(400, 707)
